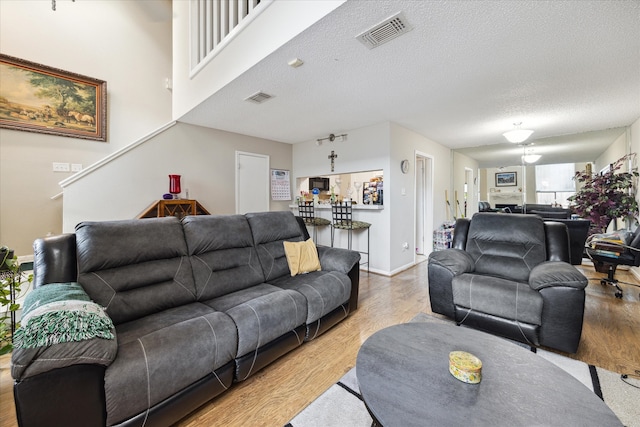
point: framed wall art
(42, 99)
(506, 179)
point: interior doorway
(423, 205)
(252, 182)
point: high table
(403, 373)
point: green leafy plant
(607, 196)
(11, 280)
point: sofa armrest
(344, 261)
(556, 273)
(337, 259)
(54, 260)
(28, 362)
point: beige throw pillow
(302, 257)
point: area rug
(341, 405)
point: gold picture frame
(42, 99)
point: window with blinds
(555, 183)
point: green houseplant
(607, 196)
(11, 280)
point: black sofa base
(81, 384)
(517, 331)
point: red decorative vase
(174, 185)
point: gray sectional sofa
(196, 305)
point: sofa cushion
(261, 314)
(499, 297)
(222, 254)
(323, 290)
(163, 353)
(302, 257)
(269, 230)
(508, 246)
(134, 268)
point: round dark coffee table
(404, 378)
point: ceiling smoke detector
(385, 31)
(259, 97)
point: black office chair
(607, 255)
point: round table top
(403, 373)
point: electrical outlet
(76, 167)
(60, 167)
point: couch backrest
(134, 267)
(506, 245)
(222, 254)
(269, 230)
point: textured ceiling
(467, 71)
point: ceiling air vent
(259, 97)
(388, 29)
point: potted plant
(11, 280)
(606, 196)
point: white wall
(279, 23)
(205, 158)
(633, 133)
(115, 41)
(365, 149)
(619, 148)
(460, 164)
(382, 147)
(404, 145)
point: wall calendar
(280, 185)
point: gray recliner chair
(510, 275)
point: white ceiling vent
(385, 31)
(259, 97)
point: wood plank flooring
(610, 339)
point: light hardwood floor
(610, 339)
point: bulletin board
(280, 184)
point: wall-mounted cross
(332, 157)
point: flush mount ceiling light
(331, 138)
(517, 135)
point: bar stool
(307, 212)
(342, 214)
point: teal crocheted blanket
(58, 313)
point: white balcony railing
(214, 23)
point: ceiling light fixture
(531, 158)
(517, 135)
(331, 138)
(527, 154)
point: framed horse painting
(42, 99)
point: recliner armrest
(556, 273)
(455, 260)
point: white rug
(342, 406)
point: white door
(252, 182)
